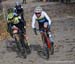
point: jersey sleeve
(7, 19)
(33, 21)
(47, 17)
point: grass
(3, 32)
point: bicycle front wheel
(45, 49)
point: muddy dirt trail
(63, 29)
(64, 51)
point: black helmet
(18, 4)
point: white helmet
(38, 9)
(17, 3)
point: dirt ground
(63, 28)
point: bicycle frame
(47, 40)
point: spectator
(24, 2)
(0, 5)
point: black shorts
(20, 25)
(41, 25)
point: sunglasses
(37, 13)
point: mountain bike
(48, 48)
(21, 42)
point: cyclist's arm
(8, 21)
(47, 17)
(33, 24)
(7, 17)
(33, 21)
(22, 9)
(24, 22)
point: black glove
(35, 31)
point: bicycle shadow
(35, 47)
(10, 46)
(39, 50)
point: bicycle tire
(52, 49)
(20, 51)
(17, 44)
(23, 50)
(45, 49)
